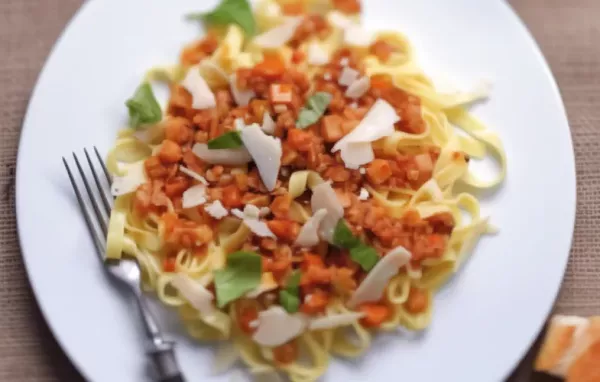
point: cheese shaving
(194, 196)
(348, 76)
(241, 97)
(278, 36)
(276, 327)
(231, 157)
(308, 236)
(316, 54)
(358, 88)
(202, 96)
(216, 209)
(266, 152)
(193, 174)
(134, 177)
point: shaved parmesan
(334, 320)
(216, 209)
(134, 177)
(338, 20)
(344, 61)
(237, 213)
(373, 286)
(316, 54)
(358, 88)
(354, 35)
(308, 236)
(239, 124)
(259, 228)
(364, 194)
(194, 196)
(267, 284)
(266, 153)
(278, 36)
(231, 157)
(195, 293)
(377, 123)
(276, 327)
(241, 97)
(202, 96)
(251, 211)
(324, 197)
(268, 125)
(356, 154)
(193, 174)
(348, 76)
(264, 211)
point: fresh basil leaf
(289, 301)
(143, 107)
(364, 255)
(241, 274)
(229, 12)
(230, 140)
(343, 237)
(313, 110)
(289, 296)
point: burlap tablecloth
(568, 32)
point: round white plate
(485, 319)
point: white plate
(485, 319)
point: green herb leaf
(289, 297)
(230, 140)
(343, 237)
(313, 110)
(229, 12)
(241, 275)
(143, 107)
(364, 255)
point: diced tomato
(170, 152)
(286, 353)
(375, 314)
(300, 140)
(176, 186)
(417, 301)
(315, 302)
(284, 229)
(272, 67)
(232, 196)
(169, 264)
(312, 259)
(378, 171)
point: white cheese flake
(373, 286)
(195, 293)
(356, 36)
(259, 228)
(362, 170)
(268, 124)
(278, 36)
(216, 209)
(344, 61)
(324, 197)
(241, 97)
(276, 327)
(358, 88)
(230, 157)
(193, 174)
(194, 196)
(134, 177)
(202, 96)
(356, 154)
(364, 194)
(308, 235)
(316, 54)
(265, 151)
(348, 76)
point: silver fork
(126, 270)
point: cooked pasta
(297, 193)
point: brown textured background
(568, 32)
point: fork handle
(165, 363)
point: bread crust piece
(571, 349)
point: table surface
(568, 33)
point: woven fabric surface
(567, 32)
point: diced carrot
(347, 6)
(381, 81)
(300, 140)
(382, 50)
(312, 259)
(298, 56)
(286, 353)
(378, 171)
(246, 314)
(293, 8)
(155, 168)
(176, 186)
(375, 314)
(331, 128)
(169, 264)
(259, 107)
(170, 152)
(178, 130)
(232, 196)
(315, 275)
(280, 207)
(315, 302)
(417, 301)
(284, 229)
(280, 93)
(272, 67)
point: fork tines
(101, 209)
